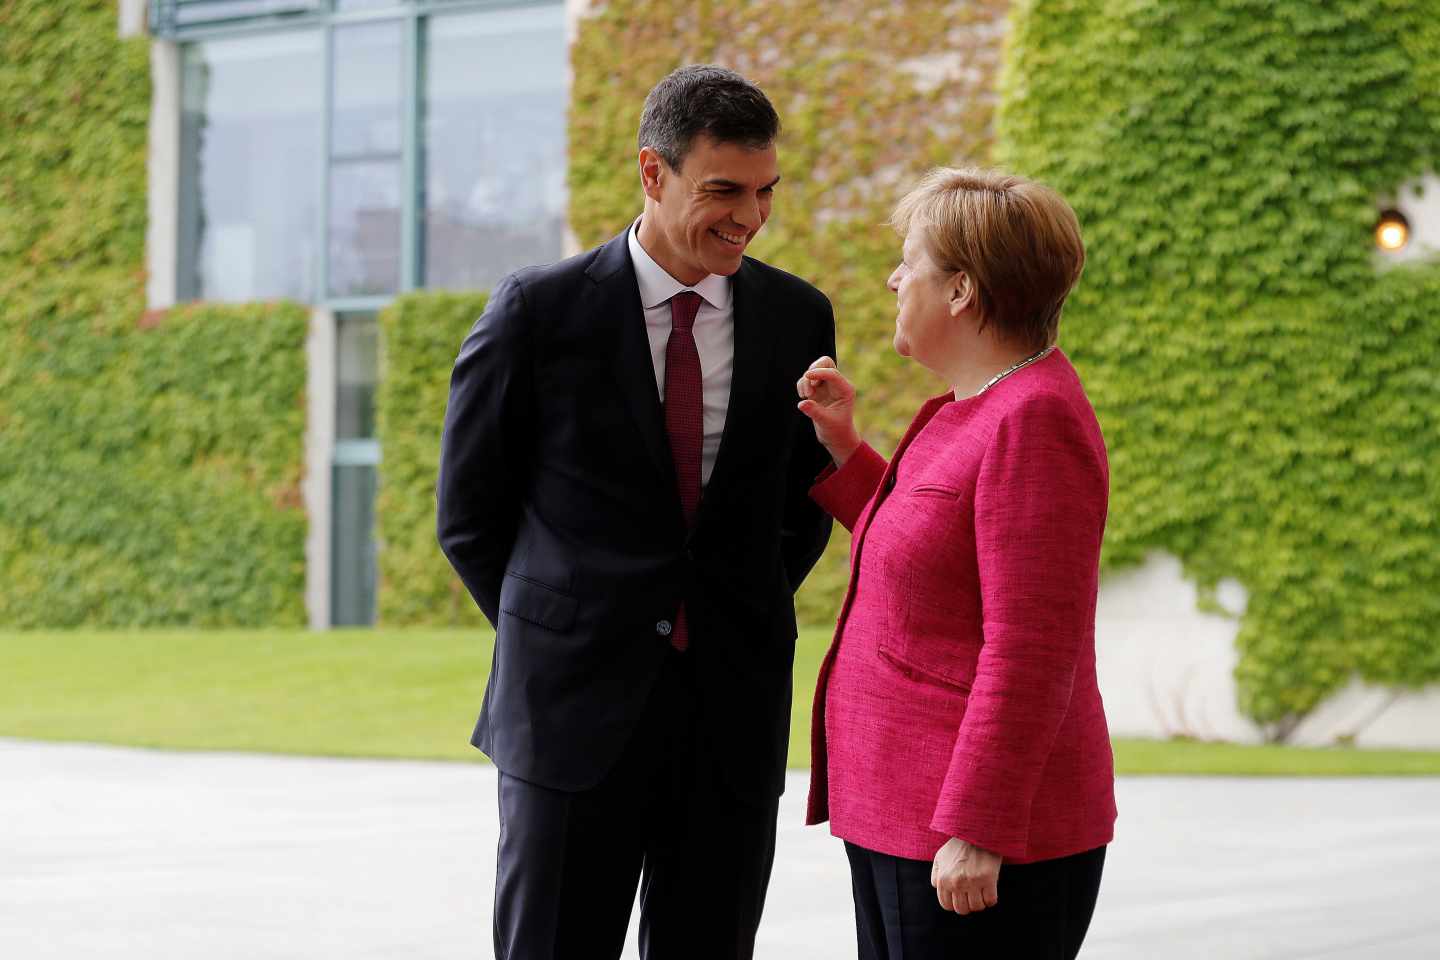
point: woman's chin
(902, 346)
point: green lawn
(406, 693)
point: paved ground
(135, 854)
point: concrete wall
(162, 231)
(1167, 669)
(132, 17)
(575, 11)
(319, 447)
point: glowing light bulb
(1392, 233)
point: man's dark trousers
(569, 862)
(558, 508)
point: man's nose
(747, 213)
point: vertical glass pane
(364, 228)
(250, 162)
(366, 119)
(353, 561)
(357, 346)
(494, 144)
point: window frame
(412, 14)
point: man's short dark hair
(706, 99)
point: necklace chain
(1033, 358)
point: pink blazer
(958, 698)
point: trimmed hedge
(153, 476)
(149, 465)
(1268, 392)
(869, 95)
(420, 337)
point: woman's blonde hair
(1018, 240)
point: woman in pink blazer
(960, 745)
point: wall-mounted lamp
(1392, 233)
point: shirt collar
(657, 286)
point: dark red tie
(684, 420)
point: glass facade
(494, 145)
(354, 471)
(339, 152)
(356, 375)
(366, 159)
(250, 132)
(358, 149)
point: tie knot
(683, 307)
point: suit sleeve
(485, 450)
(805, 528)
(1040, 504)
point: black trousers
(1043, 913)
(569, 862)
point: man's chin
(726, 266)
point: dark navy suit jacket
(558, 508)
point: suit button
(664, 627)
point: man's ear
(962, 293)
(653, 171)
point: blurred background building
(1248, 177)
(338, 154)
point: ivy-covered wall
(149, 464)
(420, 336)
(1269, 393)
(869, 95)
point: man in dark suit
(624, 490)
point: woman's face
(924, 325)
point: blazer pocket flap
(936, 490)
(939, 670)
(536, 602)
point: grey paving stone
(123, 853)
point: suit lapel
(622, 317)
(753, 345)
(619, 309)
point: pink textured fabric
(958, 698)
(684, 419)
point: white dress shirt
(714, 338)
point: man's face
(703, 216)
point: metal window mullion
(187, 184)
(410, 172)
(327, 107)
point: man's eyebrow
(732, 185)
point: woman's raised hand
(828, 399)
